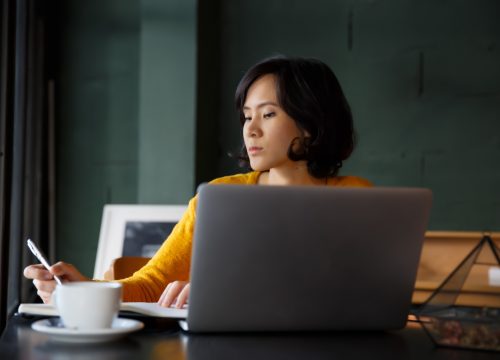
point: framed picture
(133, 230)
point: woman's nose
(253, 129)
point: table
(162, 339)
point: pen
(39, 255)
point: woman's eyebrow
(261, 105)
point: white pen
(39, 255)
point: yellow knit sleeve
(170, 263)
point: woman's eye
(248, 118)
(268, 115)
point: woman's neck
(296, 175)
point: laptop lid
(284, 258)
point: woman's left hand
(175, 294)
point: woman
(297, 130)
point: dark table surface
(162, 339)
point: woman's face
(268, 130)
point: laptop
(305, 258)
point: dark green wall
(146, 99)
(97, 120)
(423, 80)
(167, 98)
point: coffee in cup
(88, 305)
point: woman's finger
(164, 293)
(37, 271)
(67, 271)
(183, 297)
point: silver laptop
(276, 258)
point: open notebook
(142, 308)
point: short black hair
(309, 92)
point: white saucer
(57, 332)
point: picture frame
(133, 230)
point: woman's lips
(252, 150)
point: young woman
(297, 130)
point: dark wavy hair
(309, 92)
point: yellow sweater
(173, 259)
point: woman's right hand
(43, 279)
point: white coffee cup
(88, 305)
